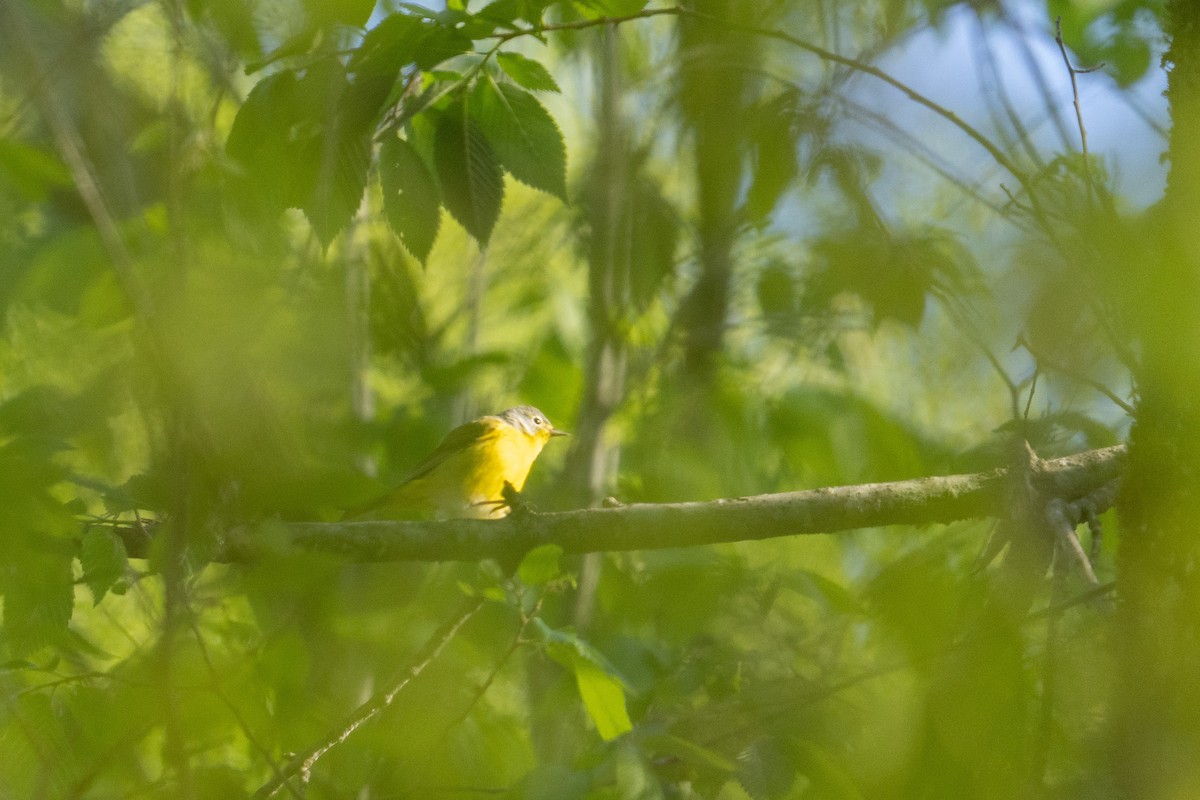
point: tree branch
(922, 501)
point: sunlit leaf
(540, 565)
(600, 686)
(527, 72)
(604, 699)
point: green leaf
(732, 790)
(527, 72)
(609, 8)
(600, 685)
(604, 699)
(655, 238)
(305, 143)
(776, 165)
(405, 39)
(293, 46)
(389, 46)
(472, 182)
(411, 199)
(103, 561)
(540, 565)
(832, 595)
(344, 115)
(690, 752)
(325, 13)
(233, 19)
(827, 774)
(524, 136)
(259, 140)
(39, 596)
(33, 172)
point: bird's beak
(557, 432)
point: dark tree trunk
(1157, 747)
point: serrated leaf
(502, 12)
(540, 565)
(690, 752)
(389, 46)
(506, 11)
(345, 160)
(527, 72)
(103, 560)
(259, 140)
(306, 143)
(525, 137)
(411, 200)
(471, 179)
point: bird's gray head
(530, 420)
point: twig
(1032, 390)
(1045, 723)
(1075, 376)
(1064, 529)
(480, 690)
(1073, 71)
(237, 715)
(1078, 600)
(770, 33)
(302, 764)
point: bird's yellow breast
(467, 478)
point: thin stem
(237, 715)
(1073, 72)
(303, 763)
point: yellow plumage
(465, 476)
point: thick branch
(921, 501)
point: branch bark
(922, 501)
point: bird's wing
(457, 440)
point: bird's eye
(538, 420)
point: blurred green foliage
(306, 257)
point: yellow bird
(464, 477)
